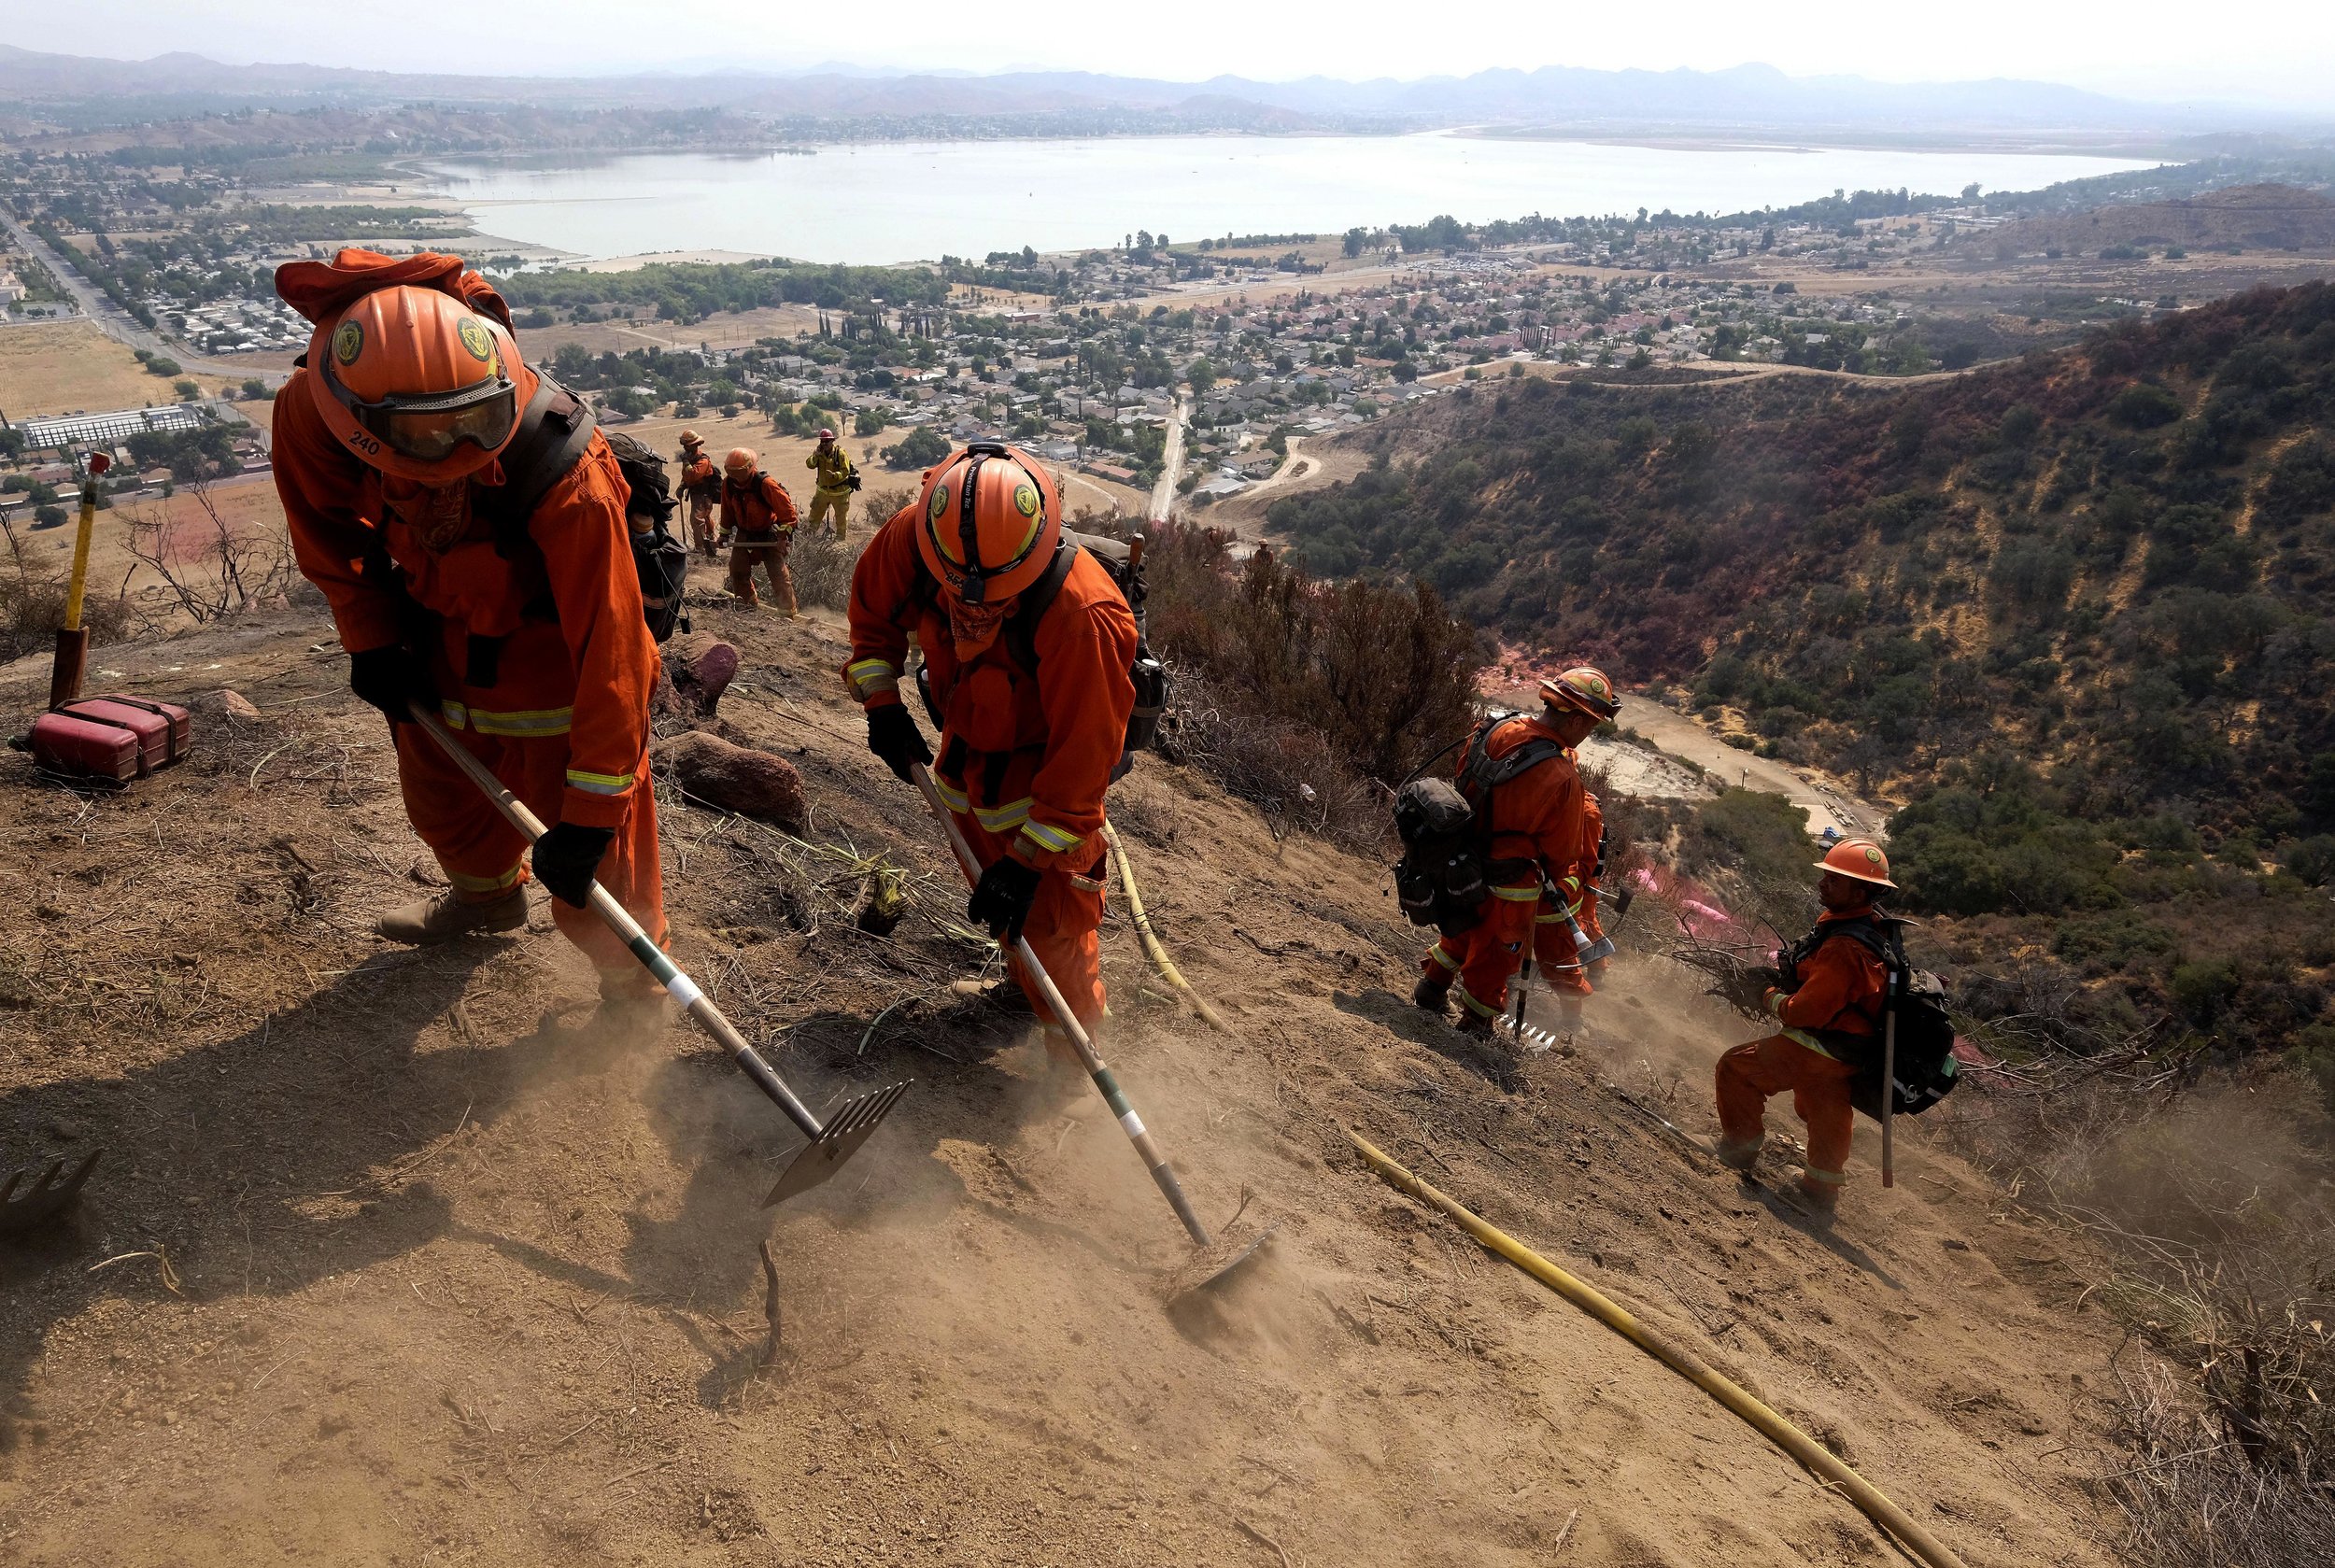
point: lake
(902, 201)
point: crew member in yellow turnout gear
(830, 492)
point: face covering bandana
(973, 626)
(439, 515)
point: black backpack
(1124, 560)
(1446, 871)
(1926, 1070)
(552, 437)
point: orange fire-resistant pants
(1478, 964)
(1749, 1073)
(1062, 929)
(481, 854)
(703, 532)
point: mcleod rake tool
(22, 1206)
(832, 1141)
(1107, 1085)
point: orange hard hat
(1859, 859)
(1585, 689)
(417, 383)
(691, 438)
(741, 460)
(988, 522)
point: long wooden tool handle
(1888, 1090)
(679, 987)
(1106, 1082)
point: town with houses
(1090, 358)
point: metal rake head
(1532, 1037)
(21, 1211)
(847, 1127)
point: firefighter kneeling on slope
(1830, 994)
(525, 639)
(1536, 821)
(1033, 717)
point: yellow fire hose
(1160, 960)
(1776, 1430)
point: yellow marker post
(72, 660)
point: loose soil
(405, 1257)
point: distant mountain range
(1554, 98)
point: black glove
(1748, 988)
(893, 735)
(568, 857)
(1002, 898)
(389, 678)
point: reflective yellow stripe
(1802, 1036)
(951, 797)
(1478, 1009)
(1824, 1178)
(598, 783)
(1518, 894)
(521, 724)
(1005, 818)
(869, 676)
(1441, 954)
(483, 885)
(1047, 837)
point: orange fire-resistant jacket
(1019, 748)
(760, 505)
(1536, 816)
(701, 478)
(1841, 986)
(586, 674)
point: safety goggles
(428, 428)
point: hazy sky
(2281, 50)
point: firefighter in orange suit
(1537, 820)
(702, 484)
(1033, 717)
(1570, 902)
(1831, 999)
(758, 520)
(386, 447)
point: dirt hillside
(395, 1257)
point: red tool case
(112, 737)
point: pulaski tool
(832, 1141)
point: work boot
(1434, 997)
(1473, 1023)
(631, 1003)
(1820, 1198)
(446, 915)
(1740, 1156)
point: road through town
(1171, 470)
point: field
(71, 367)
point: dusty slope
(462, 1282)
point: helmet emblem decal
(348, 341)
(475, 336)
(1025, 499)
(939, 501)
